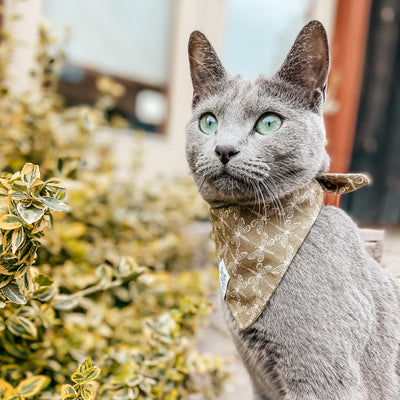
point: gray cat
(332, 328)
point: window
(128, 40)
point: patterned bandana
(255, 245)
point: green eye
(268, 123)
(208, 123)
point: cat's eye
(208, 123)
(268, 123)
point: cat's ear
(307, 64)
(206, 69)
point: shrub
(112, 279)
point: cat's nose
(225, 153)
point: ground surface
(215, 338)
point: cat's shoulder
(335, 219)
(335, 231)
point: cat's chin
(226, 189)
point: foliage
(82, 377)
(25, 205)
(26, 389)
(113, 279)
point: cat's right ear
(206, 69)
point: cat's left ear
(307, 64)
(206, 69)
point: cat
(331, 330)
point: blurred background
(98, 92)
(142, 44)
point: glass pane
(128, 38)
(259, 34)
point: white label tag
(224, 278)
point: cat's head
(255, 140)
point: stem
(96, 288)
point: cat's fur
(331, 331)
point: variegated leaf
(30, 173)
(9, 222)
(30, 214)
(31, 386)
(17, 239)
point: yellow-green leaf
(77, 378)
(4, 183)
(65, 302)
(87, 393)
(43, 280)
(93, 373)
(23, 327)
(54, 204)
(30, 173)
(17, 239)
(11, 396)
(126, 394)
(31, 386)
(4, 279)
(86, 365)
(20, 186)
(13, 293)
(9, 222)
(45, 293)
(5, 386)
(68, 392)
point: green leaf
(43, 280)
(54, 204)
(93, 373)
(4, 386)
(104, 274)
(4, 280)
(19, 186)
(27, 280)
(87, 393)
(78, 378)
(30, 173)
(68, 392)
(22, 327)
(87, 364)
(12, 293)
(135, 381)
(65, 302)
(4, 184)
(32, 386)
(18, 351)
(30, 214)
(18, 196)
(16, 397)
(126, 394)
(17, 239)
(8, 264)
(9, 222)
(45, 293)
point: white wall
(25, 32)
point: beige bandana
(256, 246)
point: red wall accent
(347, 62)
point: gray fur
(332, 328)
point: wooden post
(347, 62)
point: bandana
(255, 245)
